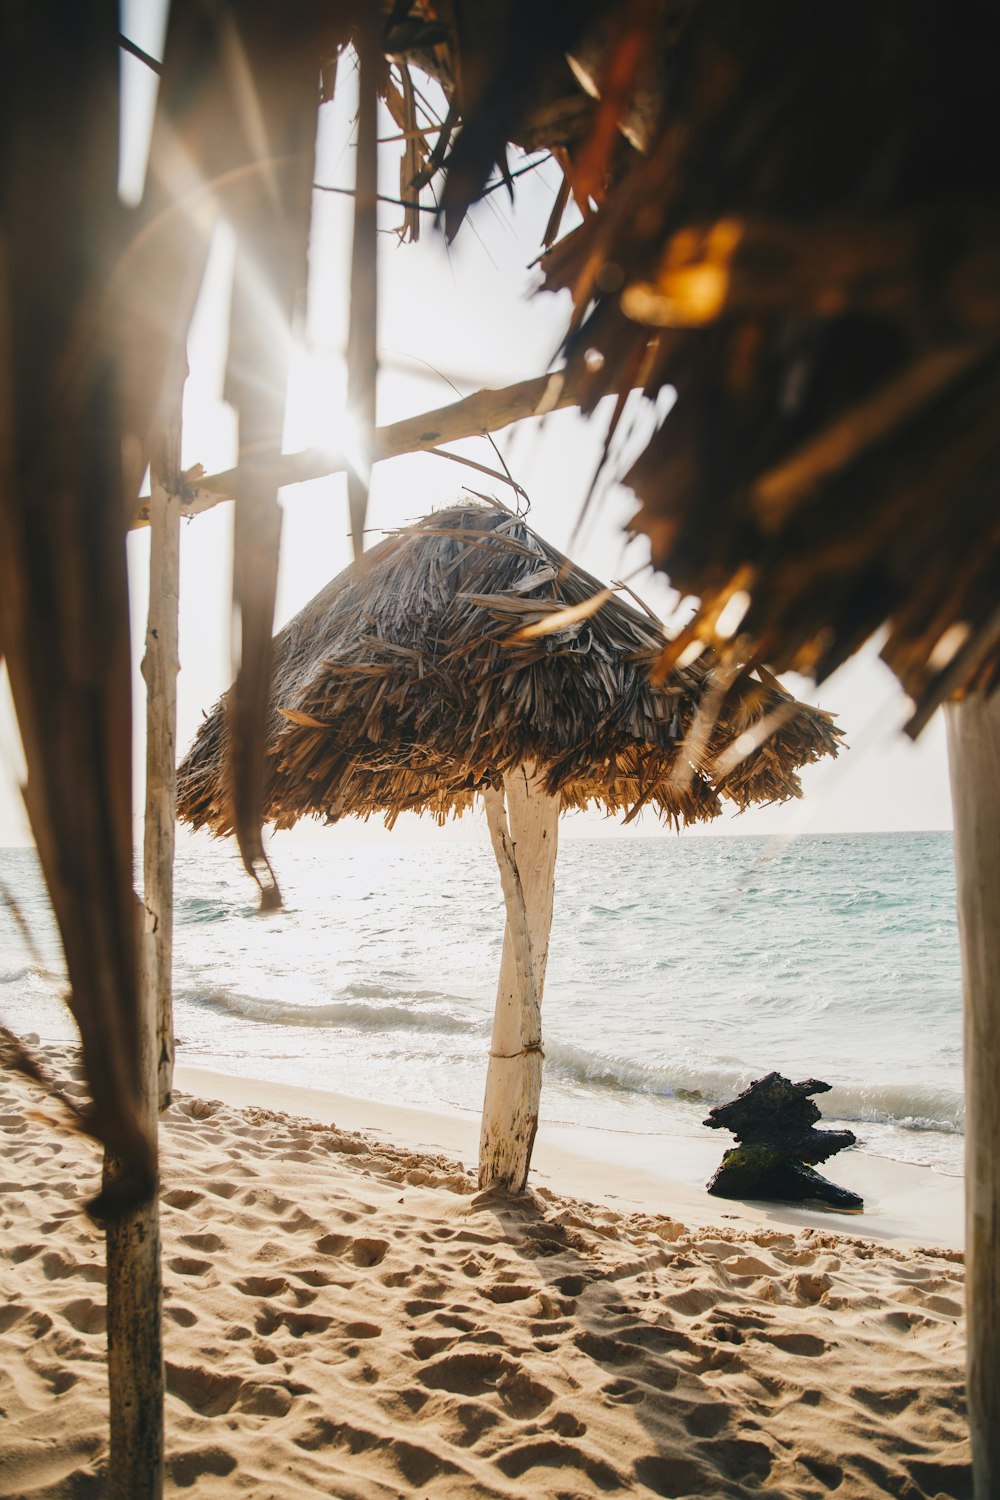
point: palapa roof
(791, 216)
(404, 685)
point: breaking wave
(360, 1007)
(906, 1106)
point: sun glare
(317, 412)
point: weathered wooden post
(974, 756)
(135, 1290)
(159, 669)
(525, 841)
(135, 1315)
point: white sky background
(466, 312)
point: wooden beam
(159, 669)
(484, 411)
(974, 756)
(362, 350)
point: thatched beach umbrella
(462, 659)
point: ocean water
(679, 970)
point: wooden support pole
(159, 669)
(525, 841)
(974, 756)
(362, 344)
(135, 1287)
(135, 1310)
(485, 411)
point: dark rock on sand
(778, 1146)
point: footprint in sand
(298, 1324)
(262, 1286)
(434, 1291)
(265, 1400)
(189, 1265)
(571, 1286)
(418, 1307)
(606, 1351)
(185, 1469)
(427, 1345)
(299, 1222)
(58, 1377)
(235, 1333)
(205, 1391)
(86, 1316)
(810, 1288)
(676, 1475)
(11, 1315)
(48, 1466)
(508, 1292)
(623, 1392)
(209, 1243)
(829, 1475)
(470, 1373)
(182, 1198)
(805, 1344)
(550, 1453)
(467, 1423)
(223, 1189)
(55, 1266)
(748, 1266)
(364, 1252)
(567, 1425)
(692, 1302)
(315, 1278)
(946, 1306)
(522, 1395)
(465, 1325)
(741, 1458)
(707, 1418)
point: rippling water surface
(679, 970)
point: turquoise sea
(679, 970)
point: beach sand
(348, 1317)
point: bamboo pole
(135, 1309)
(974, 757)
(525, 842)
(159, 669)
(362, 348)
(135, 1288)
(484, 411)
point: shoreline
(664, 1174)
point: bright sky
(460, 317)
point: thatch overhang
(405, 685)
(791, 217)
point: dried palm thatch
(790, 217)
(413, 682)
(809, 254)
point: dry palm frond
(790, 219)
(410, 684)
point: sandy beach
(346, 1315)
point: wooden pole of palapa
(974, 757)
(159, 669)
(135, 1313)
(135, 1287)
(525, 842)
